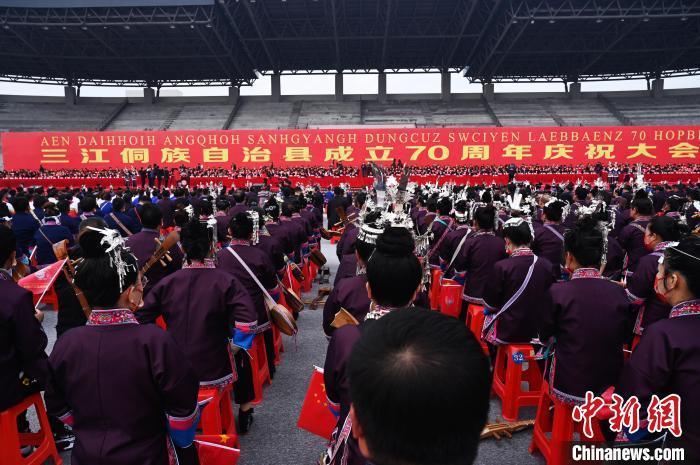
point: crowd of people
(580, 271)
(155, 176)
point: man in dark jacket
(24, 225)
(338, 201)
(22, 342)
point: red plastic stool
(11, 440)
(308, 279)
(217, 416)
(258, 365)
(279, 347)
(291, 282)
(450, 298)
(560, 426)
(475, 322)
(313, 270)
(508, 375)
(434, 293)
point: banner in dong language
(417, 147)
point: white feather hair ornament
(115, 245)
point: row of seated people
(211, 292)
(543, 283)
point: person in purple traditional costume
(127, 390)
(276, 229)
(23, 362)
(350, 293)
(207, 311)
(631, 237)
(660, 232)
(252, 268)
(667, 359)
(549, 239)
(518, 288)
(442, 225)
(588, 322)
(454, 240)
(295, 230)
(394, 279)
(271, 246)
(478, 254)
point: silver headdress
(255, 217)
(515, 222)
(369, 234)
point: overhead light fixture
(598, 21)
(551, 21)
(127, 27)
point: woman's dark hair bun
(91, 244)
(587, 224)
(395, 242)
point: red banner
(418, 147)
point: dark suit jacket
(167, 209)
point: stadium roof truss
(231, 42)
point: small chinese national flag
(217, 449)
(41, 281)
(317, 415)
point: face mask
(660, 295)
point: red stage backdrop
(418, 147)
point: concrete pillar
(657, 88)
(149, 95)
(234, 93)
(381, 87)
(276, 87)
(575, 90)
(488, 90)
(71, 95)
(446, 86)
(339, 86)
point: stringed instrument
(344, 318)
(498, 429)
(318, 300)
(60, 250)
(161, 252)
(328, 235)
(19, 271)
